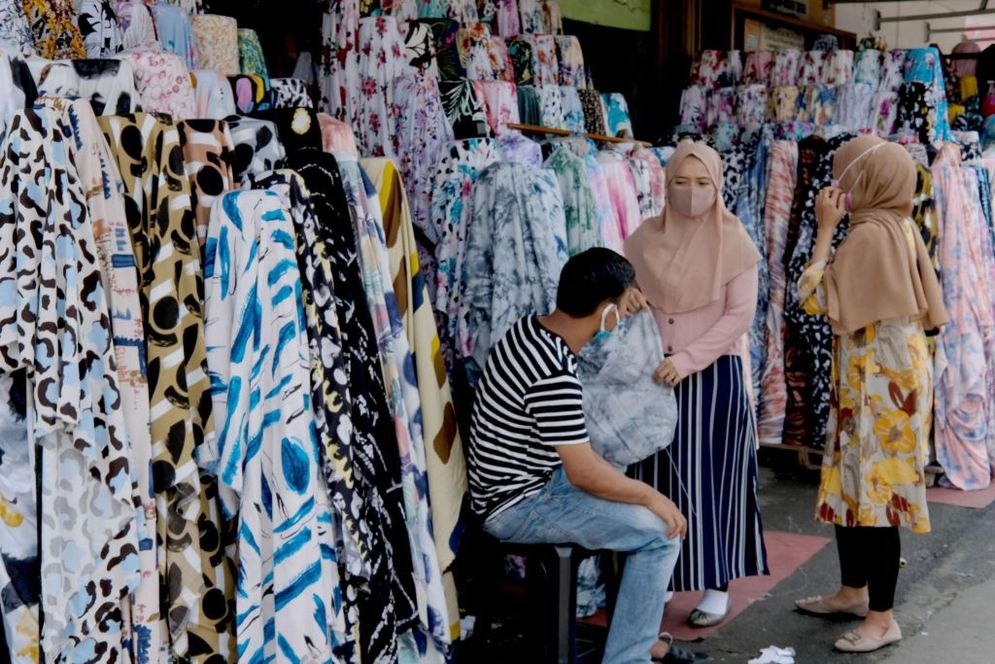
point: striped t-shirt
(528, 402)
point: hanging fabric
(53, 23)
(517, 148)
(551, 106)
(138, 24)
(464, 108)
(594, 114)
(580, 212)
(520, 51)
(473, 42)
(504, 68)
(783, 165)
(290, 93)
(622, 190)
(337, 137)
(297, 128)
(63, 353)
(544, 62)
(109, 85)
(573, 109)
(251, 93)
(380, 65)
(257, 146)
(213, 95)
(250, 55)
(15, 31)
(384, 604)
(571, 60)
(500, 103)
(420, 47)
(208, 153)
(617, 114)
(339, 63)
(445, 36)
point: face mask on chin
(692, 202)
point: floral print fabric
(339, 63)
(53, 23)
(64, 354)
(99, 28)
(786, 69)
(924, 66)
(873, 469)
(474, 42)
(617, 114)
(520, 51)
(551, 106)
(500, 103)
(544, 62)
(573, 109)
(290, 93)
(381, 46)
(512, 263)
(571, 59)
(464, 109)
(217, 43)
(758, 68)
(594, 112)
(515, 147)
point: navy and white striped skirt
(710, 472)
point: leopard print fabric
(56, 327)
(195, 577)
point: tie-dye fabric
(473, 43)
(217, 43)
(57, 340)
(867, 68)
(810, 71)
(108, 84)
(105, 202)
(622, 189)
(784, 103)
(193, 568)
(571, 59)
(579, 209)
(785, 71)
(961, 411)
(268, 463)
(512, 262)
(530, 14)
(854, 102)
(208, 153)
(573, 109)
(53, 23)
(837, 69)
(694, 108)
(297, 128)
(617, 114)
(102, 36)
(892, 70)
(501, 104)
(544, 62)
(517, 148)
(176, 33)
(163, 83)
(721, 108)
(651, 182)
(758, 68)
(783, 165)
(751, 106)
(385, 604)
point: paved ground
(944, 599)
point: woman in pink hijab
(698, 268)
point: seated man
(533, 475)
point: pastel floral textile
(500, 103)
(15, 32)
(339, 60)
(544, 62)
(571, 59)
(217, 43)
(163, 83)
(250, 54)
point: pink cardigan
(697, 338)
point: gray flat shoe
(699, 618)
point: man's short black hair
(591, 278)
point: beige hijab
(682, 263)
(875, 275)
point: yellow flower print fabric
(878, 433)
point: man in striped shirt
(533, 475)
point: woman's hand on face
(632, 301)
(667, 374)
(830, 208)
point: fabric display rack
(233, 305)
(777, 119)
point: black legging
(870, 557)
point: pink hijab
(682, 263)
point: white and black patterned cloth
(290, 93)
(98, 24)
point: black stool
(551, 596)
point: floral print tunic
(881, 403)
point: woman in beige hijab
(698, 268)
(880, 292)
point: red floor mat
(974, 499)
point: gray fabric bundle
(629, 417)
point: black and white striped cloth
(528, 402)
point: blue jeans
(563, 514)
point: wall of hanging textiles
(777, 119)
(245, 328)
